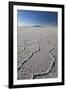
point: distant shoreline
(38, 26)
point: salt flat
(37, 52)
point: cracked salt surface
(30, 48)
(37, 58)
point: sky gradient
(32, 18)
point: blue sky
(31, 18)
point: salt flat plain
(37, 52)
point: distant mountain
(37, 26)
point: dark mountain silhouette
(37, 26)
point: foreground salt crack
(28, 66)
(30, 48)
